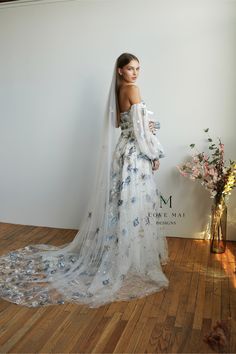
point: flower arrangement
(216, 177)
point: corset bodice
(126, 122)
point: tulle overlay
(126, 261)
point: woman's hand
(155, 165)
(151, 126)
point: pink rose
(195, 172)
(211, 171)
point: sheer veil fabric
(117, 252)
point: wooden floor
(202, 290)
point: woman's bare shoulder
(133, 93)
(129, 87)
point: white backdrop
(56, 65)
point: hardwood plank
(106, 334)
(183, 300)
(180, 336)
(128, 333)
(159, 340)
(199, 309)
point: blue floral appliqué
(127, 180)
(136, 221)
(129, 167)
(120, 202)
(131, 150)
(120, 185)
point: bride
(119, 249)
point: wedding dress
(119, 249)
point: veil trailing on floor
(85, 270)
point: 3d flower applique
(127, 180)
(120, 185)
(131, 150)
(77, 294)
(61, 264)
(135, 169)
(136, 221)
(120, 202)
(72, 259)
(129, 167)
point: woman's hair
(122, 60)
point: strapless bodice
(126, 121)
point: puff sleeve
(148, 142)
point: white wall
(56, 64)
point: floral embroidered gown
(129, 265)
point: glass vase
(218, 226)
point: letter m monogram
(162, 199)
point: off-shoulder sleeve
(149, 143)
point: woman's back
(128, 94)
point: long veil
(85, 270)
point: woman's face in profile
(130, 72)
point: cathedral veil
(104, 255)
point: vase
(218, 226)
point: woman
(118, 250)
